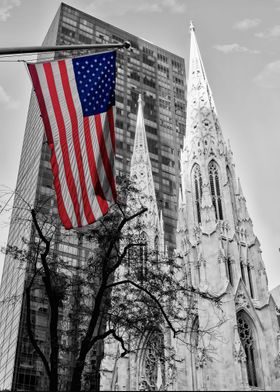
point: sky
(240, 47)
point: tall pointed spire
(142, 176)
(203, 134)
(140, 149)
(141, 168)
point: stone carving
(143, 385)
(153, 377)
(239, 354)
(197, 233)
(241, 301)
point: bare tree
(120, 290)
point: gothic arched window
(249, 271)
(249, 345)
(215, 189)
(153, 366)
(143, 256)
(229, 271)
(197, 186)
(156, 245)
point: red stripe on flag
(110, 115)
(76, 140)
(104, 155)
(41, 101)
(93, 170)
(63, 140)
(60, 203)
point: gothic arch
(215, 189)
(151, 371)
(249, 340)
(197, 190)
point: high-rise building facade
(147, 69)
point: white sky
(240, 46)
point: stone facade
(220, 256)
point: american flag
(76, 98)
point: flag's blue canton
(95, 78)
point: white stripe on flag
(86, 162)
(69, 136)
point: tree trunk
(76, 382)
(54, 346)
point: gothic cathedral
(220, 256)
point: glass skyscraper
(159, 76)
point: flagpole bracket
(127, 45)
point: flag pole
(43, 49)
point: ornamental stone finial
(192, 26)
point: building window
(249, 271)
(248, 343)
(229, 270)
(153, 362)
(197, 186)
(242, 272)
(215, 189)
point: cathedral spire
(140, 149)
(203, 136)
(142, 176)
(141, 168)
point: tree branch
(51, 291)
(123, 254)
(120, 339)
(38, 228)
(205, 294)
(119, 229)
(107, 333)
(150, 295)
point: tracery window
(153, 364)
(197, 186)
(143, 257)
(248, 343)
(156, 247)
(215, 189)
